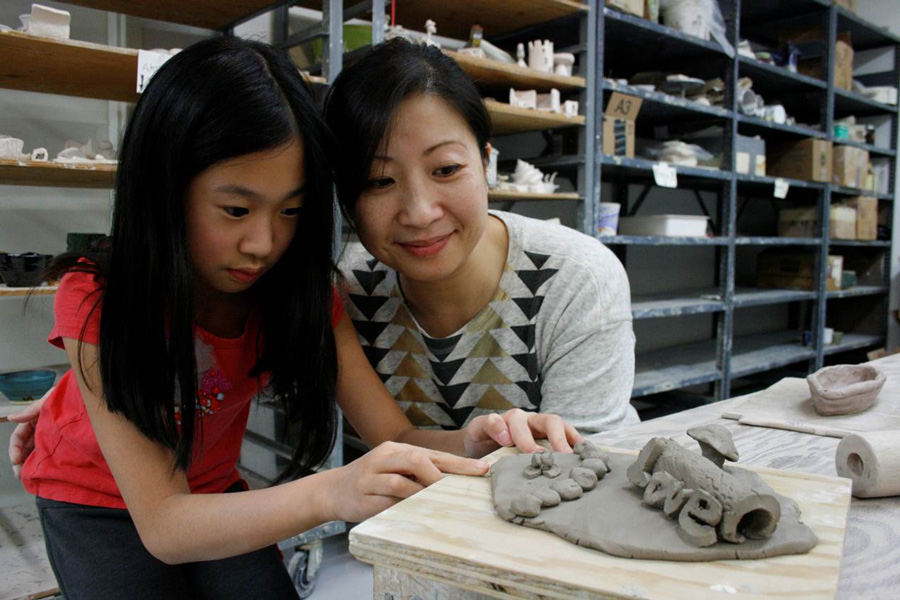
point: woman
(461, 310)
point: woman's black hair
(364, 99)
(218, 99)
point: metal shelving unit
(725, 356)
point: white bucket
(689, 16)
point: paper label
(781, 188)
(665, 175)
(148, 64)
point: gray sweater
(556, 337)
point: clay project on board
(845, 389)
(668, 504)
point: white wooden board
(787, 405)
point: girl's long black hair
(216, 100)
(364, 98)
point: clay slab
(612, 517)
(451, 533)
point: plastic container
(664, 225)
(25, 386)
(608, 218)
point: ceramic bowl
(22, 270)
(845, 389)
(24, 386)
(80, 242)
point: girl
(481, 310)
(215, 282)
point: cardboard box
(750, 155)
(618, 124)
(635, 7)
(798, 222)
(842, 222)
(809, 40)
(795, 270)
(866, 217)
(851, 166)
(848, 4)
(808, 159)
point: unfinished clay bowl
(845, 389)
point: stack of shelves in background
(744, 220)
(609, 44)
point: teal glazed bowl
(24, 386)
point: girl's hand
(388, 474)
(518, 428)
(21, 442)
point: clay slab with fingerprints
(611, 513)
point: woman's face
(425, 206)
(241, 216)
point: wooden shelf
(485, 71)
(496, 16)
(506, 196)
(44, 290)
(67, 67)
(510, 119)
(51, 174)
(209, 14)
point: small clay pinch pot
(845, 389)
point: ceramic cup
(22, 270)
(608, 218)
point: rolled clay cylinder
(745, 511)
(872, 461)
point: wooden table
(870, 567)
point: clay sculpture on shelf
(47, 22)
(845, 389)
(669, 504)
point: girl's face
(241, 216)
(425, 206)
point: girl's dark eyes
(447, 171)
(291, 212)
(235, 211)
(379, 183)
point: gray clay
(698, 519)
(527, 506)
(738, 500)
(588, 450)
(845, 389)
(584, 478)
(716, 443)
(675, 502)
(568, 489)
(660, 488)
(531, 472)
(612, 517)
(547, 496)
(552, 472)
(597, 465)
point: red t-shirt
(67, 464)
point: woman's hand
(21, 442)
(518, 428)
(388, 474)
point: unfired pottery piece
(845, 389)
(675, 505)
